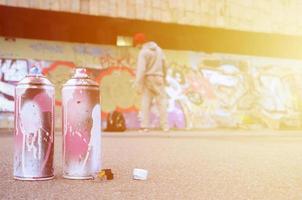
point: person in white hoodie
(150, 80)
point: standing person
(150, 80)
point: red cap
(139, 38)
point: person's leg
(162, 103)
(145, 108)
(163, 106)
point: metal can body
(34, 129)
(81, 127)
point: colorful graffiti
(204, 90)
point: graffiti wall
(204, 90)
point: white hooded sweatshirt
(150, 62)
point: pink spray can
(34, 128)
(81, 127)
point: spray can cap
(80, 73)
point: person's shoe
(143, 130)
(166, 129)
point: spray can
(81, 127)
(34, 128)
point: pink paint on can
(34, 128)
(81, 127)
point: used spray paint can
(81, 127)
(34, 128)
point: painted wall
(204, 90)
(269, 16)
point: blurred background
(231, 63)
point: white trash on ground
(140, 174)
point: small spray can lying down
(81, 127)
(34, 128)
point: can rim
(70, 85)
(77, 177)
(44, 84)
(34, 178)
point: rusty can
(34, 128)
(81, 127)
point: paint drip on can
(34, 128)
(81, 127)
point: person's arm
(140, 68)
(164, 63)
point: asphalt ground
(224, 164)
